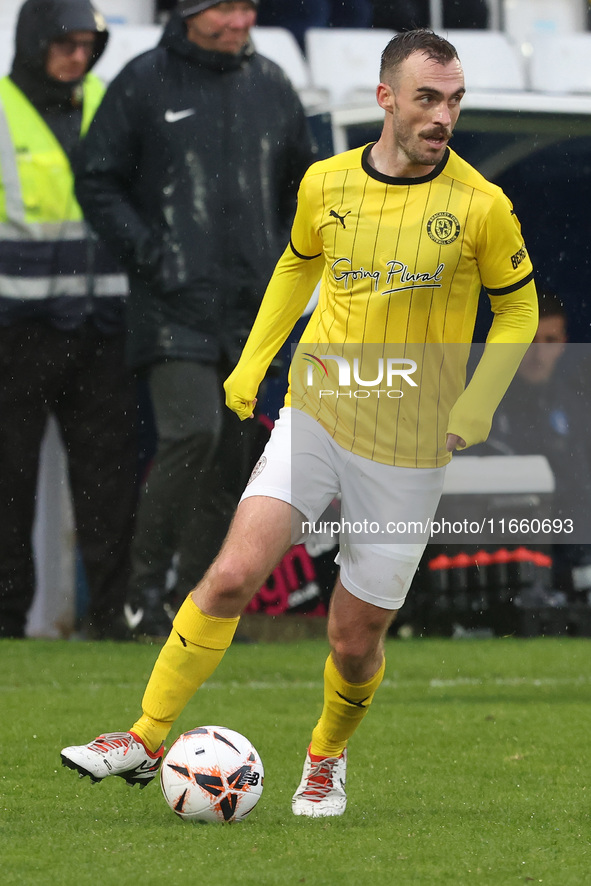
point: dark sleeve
(105, 170)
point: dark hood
(39, 23)
(175, 40)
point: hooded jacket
(40, 22)
(190, 173)
(51, 266)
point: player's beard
(414, 145)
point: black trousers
(80, 377)
(203, 459)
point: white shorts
(302, 465)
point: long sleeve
(288, 293)
(512, 330)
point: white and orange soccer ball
(212, 774)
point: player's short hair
(420, 40)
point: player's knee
(353, 645)
(232, 578)
(352, 650)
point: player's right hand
(243, 408)
(237, 396)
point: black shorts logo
(443, 228)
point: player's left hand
(454, 442)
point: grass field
(472, 767)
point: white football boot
(115, 753)
(321, 791)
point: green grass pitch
(472, 767)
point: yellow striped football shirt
(381, 363)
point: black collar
(392, 180)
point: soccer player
(403, 234)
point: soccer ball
(212, 774)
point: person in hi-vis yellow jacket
(62, 328)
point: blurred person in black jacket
(190, 173)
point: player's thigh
(297, 467)
(258, 538)
(270, 514)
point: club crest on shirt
(258, 469)
(443, 228)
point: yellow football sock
(345, 706)
(191, 654)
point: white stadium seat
(524, 19)
(280, 45)
(489, 59)
(561, 63)
(346, 61)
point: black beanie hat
(186, 8)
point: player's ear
(385, 96)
